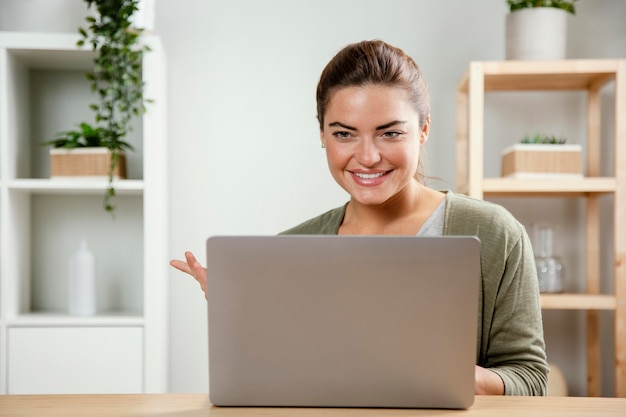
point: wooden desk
(195, 405)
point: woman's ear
(322, 139)
(425, 131)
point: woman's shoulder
(325, 224)
(465, 205)
(466, 215)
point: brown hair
(373, 62)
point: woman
(374, 114)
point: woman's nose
(367, 153)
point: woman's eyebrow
(385, 126)
(390, 124)
(339, 124)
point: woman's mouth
(369, 178)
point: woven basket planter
(540, 161)
(84, 163)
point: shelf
(552, 187)
(75, 186)
(578, 74)
(45, 319)
(58, 51)
(589, 76)
(577, 302)
(43, 90)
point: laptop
(342, 321)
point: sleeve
(516, 349)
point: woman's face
(372, 137)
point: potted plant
(85, 152)
(541, 156)
(116, 83)
(536, 29)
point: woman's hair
(373, 63)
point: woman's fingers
(192, 267)
(181, 266)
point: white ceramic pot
(537, 33)
(144, 16)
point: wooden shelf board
(552, 187)
(75, 186)
(578, 302)
(575, 74)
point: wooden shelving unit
(569, 75)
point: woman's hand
(488, 382)
(192, 267)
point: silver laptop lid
(342, 321)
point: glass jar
(549, 266)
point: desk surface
(193, 405)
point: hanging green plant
(116, 76)
(116, 82)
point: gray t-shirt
(433, 226)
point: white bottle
(82, 282)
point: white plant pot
(144, 16)
(537, 33)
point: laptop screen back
(342, 321)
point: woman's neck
(403, 214)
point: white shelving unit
(123, 348)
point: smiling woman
(372, 137)
(374, 117)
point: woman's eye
(391, 135)
(342, 135)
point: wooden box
(85, 163)
(538, 160)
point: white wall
(245, 155)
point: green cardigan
(510, 332)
